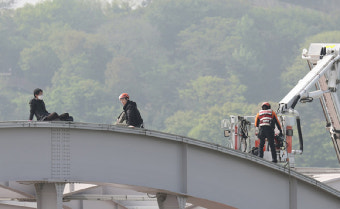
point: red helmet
(266, 104)
(124, 95)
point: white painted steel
(309, 80)
(209, 175)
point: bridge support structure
(177, 169)
(168, 201)
(49, 195)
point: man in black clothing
(131, 114)
(37, 108)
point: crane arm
(323, 60)
(301, 90)
(331, 108)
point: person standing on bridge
(266, 119)
(37, 108)
(130, 115)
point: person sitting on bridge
(37, 108)
(130, 115)
(266, 120)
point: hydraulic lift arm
(323, 60)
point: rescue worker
(130, 115)
(266, 119)
(37, 108)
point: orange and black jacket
(267, 118)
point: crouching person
(37, 108)
(130, 115)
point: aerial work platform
(323, 60)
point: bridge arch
(148, 161)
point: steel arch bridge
(140, 168)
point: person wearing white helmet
(130, 115)
(266, 119)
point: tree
(173, 16)
(70, 45)
(206, 126)
(273, 38)
(85, 99)
(181, 122)
(207, 91)
(4, 4)
(10, 45)
(39, 63)
(318, 147)
(208, 46)
(121, 73)
(74, 13)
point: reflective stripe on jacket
(266, 117)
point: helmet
(266, 104)
(124, 95)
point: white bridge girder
(182, 169)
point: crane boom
(323, 60)
(330, 104)
(300, 91)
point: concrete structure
(138, 168)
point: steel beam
(49, 195)
(177, 168)
(168, 201)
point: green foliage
(120, 70)
(207, 46)
(208, 126)
(6, 3)
(209, 91)
(10, 46)
(7, 106)
(39, 60)
(181, 122)
(80, 97)
(173, 16)
(75, 13)
(187, 63)
(318, 146)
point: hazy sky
(21, 3)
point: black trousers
(267, 132)
(55, 116)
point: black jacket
(132, 114)
(37, 108)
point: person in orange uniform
(266, 119)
